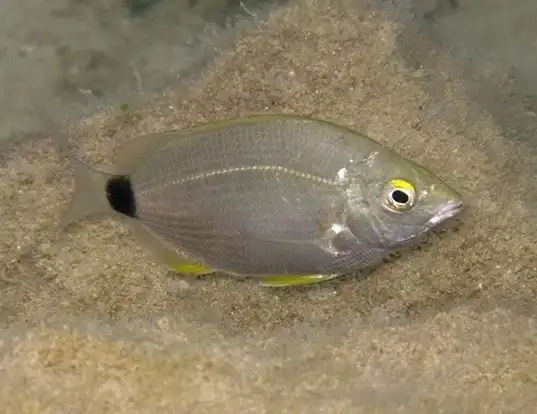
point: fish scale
(258, 170)
(311, 151)
(235, 212)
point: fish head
(399, 202)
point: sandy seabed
(90, 324)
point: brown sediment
(94, 325)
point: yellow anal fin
(189, 268)
(294, 280)
(167, 255)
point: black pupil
(400, 197)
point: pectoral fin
(294, 280)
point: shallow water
(92, 324)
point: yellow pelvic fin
(294, 280)
(189, 268)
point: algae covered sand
(92, 324)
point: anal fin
(294, 280)
(167, 255)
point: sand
(91, 324)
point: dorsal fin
(132, 152)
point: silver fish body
(254, 202)
(280, 195)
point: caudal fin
(89, 197)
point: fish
(288, 199)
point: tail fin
(89, 197)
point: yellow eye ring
(400, 195)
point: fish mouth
(448, 211)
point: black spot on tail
(120, 195)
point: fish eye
(400, 195)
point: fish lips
(440, 219)
(450, 210)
